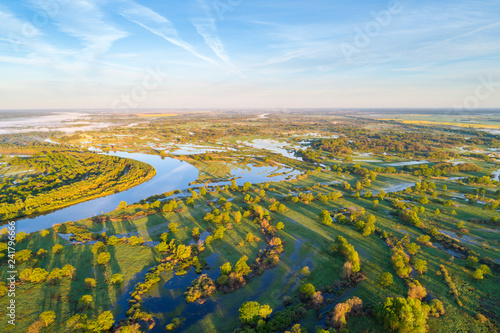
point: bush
(307, 290)
(103, 258)
(85, 302)
(47, 317)
(402, 315)
(90, 283)
(56, 249)
(386, 279)
(325, 218)
(117, 278)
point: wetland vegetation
(295, 222)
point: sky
(205, 54)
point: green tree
(122, 205)
(99, 247)
(103, 258)
(237, 216)
(386, 279)
(249, 313)
(20, 237)
(57, 249)
(402, 315)
(85, 302)
(90, 283)
(280, 226)
(183, 252)
(226, 269)
(420, 266)
(325, 217)
(116, 278)
(173, 227)
(47, 317)
(241, 267)
(307, 290)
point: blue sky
(112, 54)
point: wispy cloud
(156, 24)
(207, 28)
(85, 20)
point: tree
(424, 200)
(226, 269)
(252, 312)
(402, 315)
(116, 278)
(412, 248)
(20, 237)
(85, 302)
(195, 233)
(90, 283)
(265, 311)
(247, 186)
(183, 252)
(325, 217)
(307, 290)
(472, 261)
(54, 276)
(241, 268)
(203, 191)
(99, 247)
(45, 232)
(42, 253)
(386, 279)
(420, 266)
(249, 313)
(237, 216)
(478, 274)
(280, 226)
(103, 323)
(173, 227)
(103, 258)
(48, 317)
(134, 241)
(57, 249)
(250, 237)
(122, 205)
(23, 255)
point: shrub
(47, 317)
(307, 290)
(85, 302)
(103, 258)
(402, 315)
(116, 278)
(386, 279)
(90, 283)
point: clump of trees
(401, 262)
(451, 284)
(348, 251)
(254, 314)
(202, 287)
(402, 315)
(352, 307)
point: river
(171, 174)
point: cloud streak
(158, 25)
(83, 19)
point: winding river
(171, 174)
